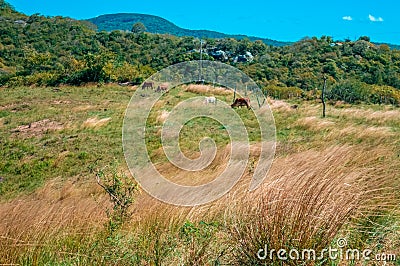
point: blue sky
(284, 20)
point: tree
(323, 97)
(330, 68)
(138, 27)
(365, 38)
(6, 7)
(121, 191)
(360, 47)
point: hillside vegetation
(49, 51)
(155, 24)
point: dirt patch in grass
(15, 107)
(38, 128)
(57, 102)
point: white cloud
(374, 19)
(349, 18)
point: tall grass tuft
(301, 209)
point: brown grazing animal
(148, 84)
(239, 102)
(162, 88)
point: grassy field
(334, 177)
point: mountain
(391, 46)
(155, 24)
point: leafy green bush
(350, 91)
(41, 79)
(121, 190)
(384, 95)
(354, 91)
(15, 81)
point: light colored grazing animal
(210, 99)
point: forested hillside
(155, 24)
(48, 51)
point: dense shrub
(355, 91)
(351, 91)
(384, 95)
(283, 92)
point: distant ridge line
(156, 24)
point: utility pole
(201, 62)
(323, 97)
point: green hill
(48, 51)
(155, 24)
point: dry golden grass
(337, 130)
(195, 178)
(81, 108)
(307, 200)
(163, 115)
(346, 163)
(206, 89)
(95, 122)
(59, 209)
(363, 132)
(315, 123)
(279, 105)
(369, 114)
